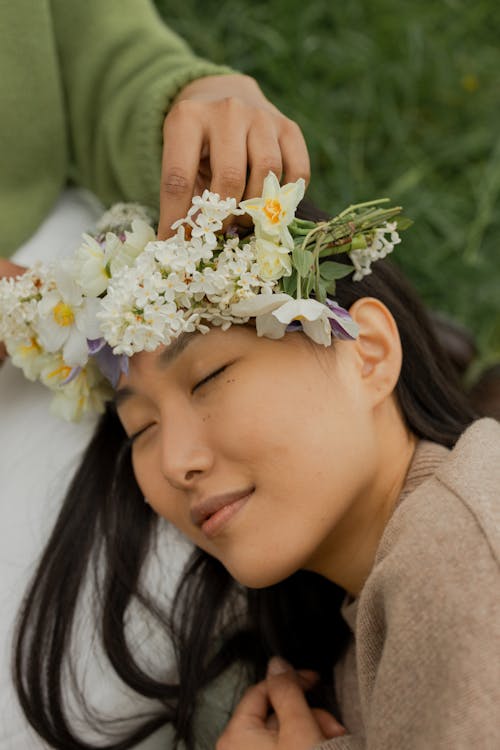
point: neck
(349, 552)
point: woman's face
(257, 450)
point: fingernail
(277, 665)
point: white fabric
(38, 453)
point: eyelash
(212, 375)
(209, 377)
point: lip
(213, 512)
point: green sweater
(84, 88)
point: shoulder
(458, 506)
(472, 476)
(428, 618)
(442, 544)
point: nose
(186, 454)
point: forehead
(147, 364)
(158, 360)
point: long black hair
(106, 530)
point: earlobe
(378, 346)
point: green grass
(394, 98)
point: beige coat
(422, 670)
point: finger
(251, 712)
(294, 153)
(183, 134)
(294, 715)
(3, 352)
(8, 269)
(328, 724)
(306, 678)
(264, 153)
(228, 150)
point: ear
(378, 347)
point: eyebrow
(171, 352)
(164, 359)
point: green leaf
(321, 293)
(331, 287)
(302, 260)
(403, 222)
(329, 270)
(289, 284)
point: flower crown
(73, 325)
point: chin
(258, 578)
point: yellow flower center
(63, 314)
(30, 348)
(272, 209)
(61, 372)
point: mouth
(212, 513)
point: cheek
(158, 493)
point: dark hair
(106, 530)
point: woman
(342, 500)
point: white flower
(213, 206)
(130, 328)
(28, 356)
(273, 260)
(90, 264)
(67, 319)
(123, 214)
(380, 247)
(134, 243)
(275, 210)
(206, 215)
(19, 303)
(76, 392)
(96, 262)
(275, 312)
(259, 304)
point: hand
(294, 726)
(223, 134)
(8, 269)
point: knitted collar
(426, 459)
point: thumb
(326, 722)
(296, 719)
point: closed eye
(209, 377)
(138, 433)
(202, 382)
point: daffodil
(273, 260)
(77, 391)
(275, 210)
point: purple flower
(111, 365)
(342, 325)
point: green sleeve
(120, 67)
